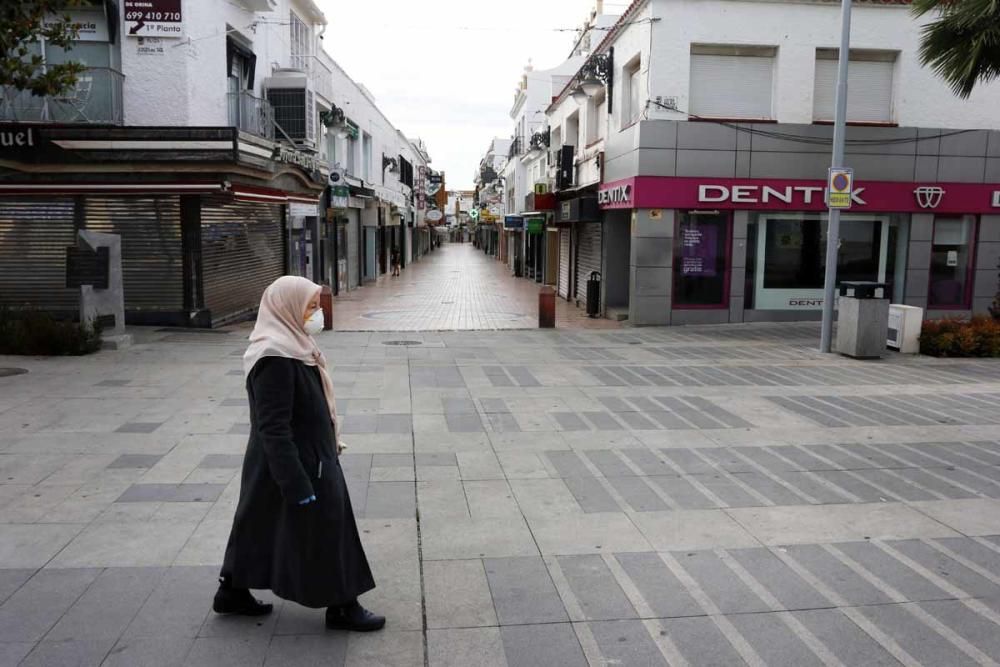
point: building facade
(714, 160)
(205, 138)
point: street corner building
(688, 147)
(218, 172)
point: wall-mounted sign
(91, 26)
(289, 155)
(766, 194)
(535, 225)
(840, 188)
(929, 196)
(340, 196)
(153, 18)
(618, 194)
(513, 222)
(433, 215)
(301, 210)
(996, 199)
(16, 137)
(150, 46)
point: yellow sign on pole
(840, 188)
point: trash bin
(594, 294)
(862, 319)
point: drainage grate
(402, 342)
(7, 372)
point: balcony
(251, 114)
(96, 99)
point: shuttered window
(34, 234)
(732, 82)
(869, 85)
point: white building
(711, 137)
(205, 138)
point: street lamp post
(833, 226)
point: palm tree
(962, 44)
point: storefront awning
(63, 188)
(271, 196)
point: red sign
(797, 195)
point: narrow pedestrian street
(456, 287)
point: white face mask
(314, 324)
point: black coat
(310, 554)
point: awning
(361, 191)
(58, 188)
(271, 196)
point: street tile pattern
(567, 497)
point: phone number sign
(153, 18)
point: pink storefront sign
(796, 195)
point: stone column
(918, 260)
(650, 266)
(987, 260)
(738, 268)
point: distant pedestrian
(294, 531)
(395, 261)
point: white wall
(921, 99)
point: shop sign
(301, 210)
(153, 18)
(291, 156)
(513, 222)
(17, 137)
(150, 46)
(91, 26)
(566, 211)
(535, 225)
(692, 193)
(340, 196)
(433, 215)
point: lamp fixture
(579, 95)
(591, 87)
(595, 73)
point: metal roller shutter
(353, 257)
(564, 263)
(152, 258)
(588, 256)
(34, 234)
(242, 250)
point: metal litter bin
(594, 294)
(862, 319)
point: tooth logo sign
(929, 196)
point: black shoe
(238, 601)
(353, 617)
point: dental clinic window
(951, 262)
(732, 81)
(701, 260)
(869, 80)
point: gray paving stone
(769, 488)
(440, 459)
(306, 650)
(892, 571)
(615, 404)
(727, 490)
(227, 652)
(701, 642)
(464, 423)
(779, 579)
(457, 595)
(459, 405)
(108, 605)
(688, 462)
(590, 495)
(948, 569)
(682, 492)
(977, 553)
(135, 461)
(138, 427)
(494, 405)
(390, 500)
(149, 652)
(807, 483)
(637, 422)
(841, 579)
(392, 461)
(11, 653)
(569, 421)
(536, 645)
(464, 647)
(178, 605)
(503, 423)
(362, 423)
(595, 588)
(523, 592)
(399, 423)
(239, 429)
(568, 464)
(113, 383)
(13, 579)
(33, 609)
(664, 594)
(626, 643)
(608, 463)
(721, 584)
(844, 638)
(603, 421)
(648, 462)
(523, 376)
(222, 461)
(858, 487)
(967, 623)
(192, 493)
(774, 641)
(922, 642)
(71, 653)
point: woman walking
(294, 531)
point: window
(869, 80)
(951, 262)
(630, 95)
(366, 156)
(300, 42)
(352, 156)
(701, 260)
(573, 129)
(596, 111)
(732, 81)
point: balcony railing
(319, 73)
(251, 114)
(95, 99)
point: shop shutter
(731, 86)
(242, 248)
(152, 258)
(353, 256)
(870, 85)
(564, 263)
(588, 256)
(34, 235)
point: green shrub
(953, 337)
(29, 332)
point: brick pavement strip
(641, 497)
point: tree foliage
(962, 43)
(24, 22)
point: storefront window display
(951, 262)
(787, 257)
(701, 260)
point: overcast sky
(445, 70)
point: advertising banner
(153, 18)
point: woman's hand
(310, 499)
(341, 447)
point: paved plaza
(685, 496)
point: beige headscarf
(280, 332)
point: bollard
(546, 308)
(326, 304)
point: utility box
(862, 320)
(905, 323)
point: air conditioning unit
(294, 104)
